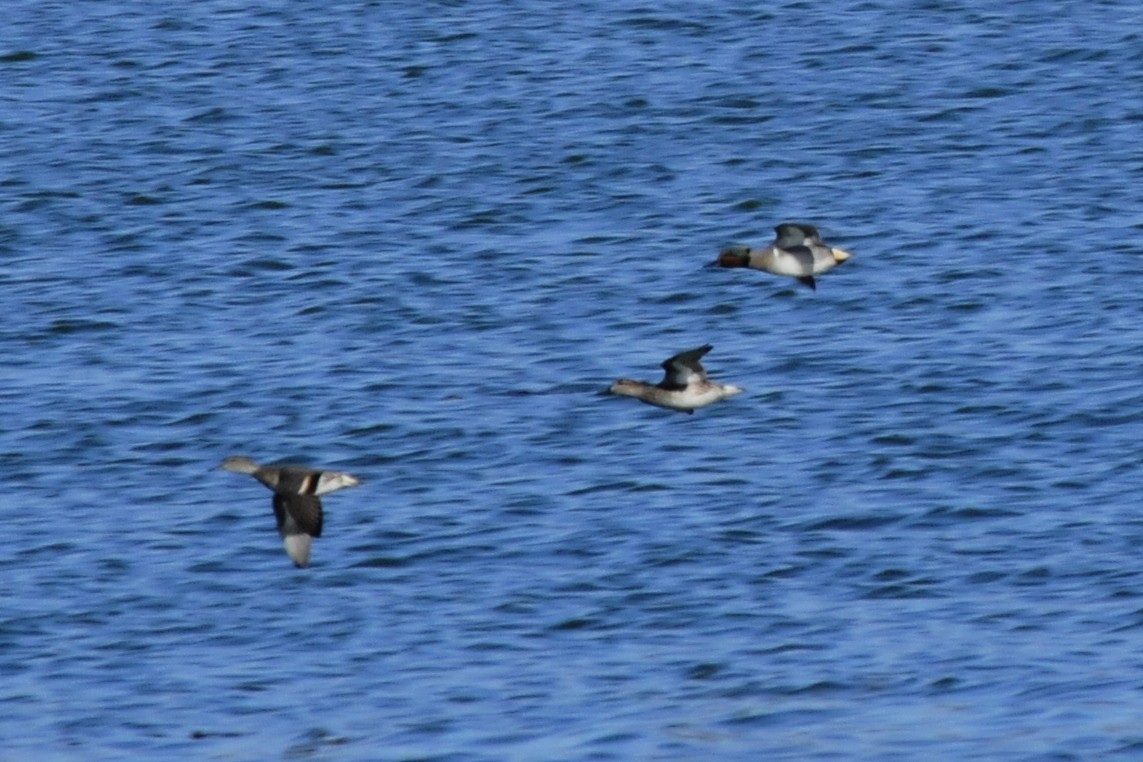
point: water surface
(414, 243)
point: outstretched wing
(297, 514)
(684, 368)
(792, 234)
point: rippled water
(414, 242)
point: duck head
(732, 256)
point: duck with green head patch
(797, 251)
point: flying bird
(297, 507)
(797, 251)
(685, 387)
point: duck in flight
(297, 507)
(685, 387)
(797, 251)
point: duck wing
(297, 514)
(684, 368)
(791, 234)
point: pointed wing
(684, 368)
(297, 514)
(791, 234)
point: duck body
(297, 507)
(684, 388)
(797, 251)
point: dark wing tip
(794, 234)
(688, 356)
(801, 227)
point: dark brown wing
(684, 367)
(298, 514)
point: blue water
(413, 241)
